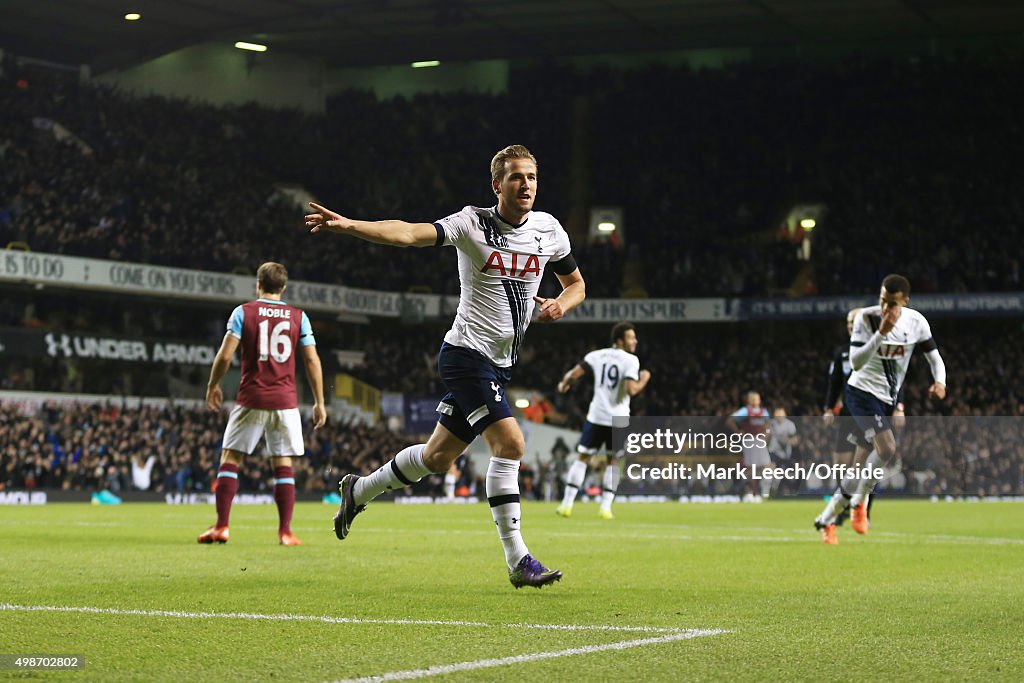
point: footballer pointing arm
(398, 233)
(393, 233)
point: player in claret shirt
(503, 251)
(270, 332)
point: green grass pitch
(665, 592)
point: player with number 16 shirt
(270, 333)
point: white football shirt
(500, 269)
(612, 367)
(883, 374)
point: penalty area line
(441, 669)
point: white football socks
(609, 483)
(503, 496)
(573, 483)
(405, 469)
(866, 485)
(838, 502)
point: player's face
(517, 189)
(754, 399)
(629, 341)
(889, 301)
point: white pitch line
(783, 536)
(762, 535)
(441, 669)
(8, 607)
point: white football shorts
(756, 455)
(282, 428)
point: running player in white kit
(883, 339)
(503, 251)
(617, 378)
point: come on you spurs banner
(183, 283)
(957, 456)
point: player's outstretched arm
(570, 377)
(574, 291)
(221, 363)
(393, 233)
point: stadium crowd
(697, 370)
(89, 447)
(904, 155)
(908, 158)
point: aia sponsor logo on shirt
(891, 351)
(512, 265)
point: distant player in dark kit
(269, 332)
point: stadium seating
(705, 164)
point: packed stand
(697, 370)
(908, 157)
(83, 447)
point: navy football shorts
(476, 391)
(595, 439)
(848, 434)
(870, 414)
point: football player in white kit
(503, 251)
(883, 339)
(617, 378)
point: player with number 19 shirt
(617, 378)
(611, 367)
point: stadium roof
(375, 32)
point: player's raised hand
(645, 375)
(214, 397)
(889, 318)
(937, 391)
(324, 219)
(550, 310)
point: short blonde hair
(510, 152)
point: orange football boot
(215, 534)
(859, 519)
(288, 539)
